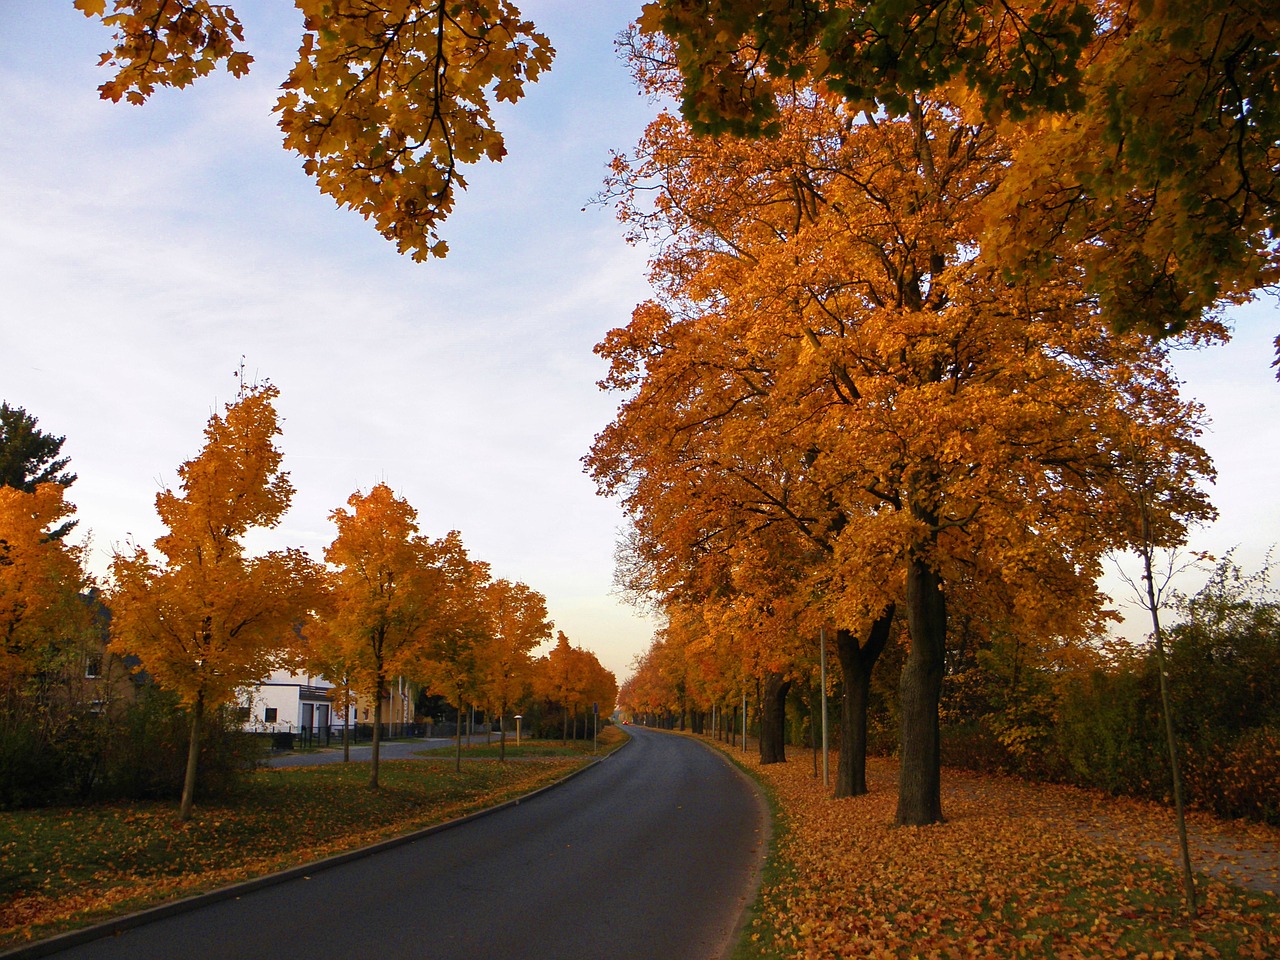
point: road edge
(130, 921)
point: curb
(109, 928)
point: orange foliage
(392, 592)
(573, 679)
(839, 397)
(38, 574)
(386, 102)
(516, 623)
(206, 619)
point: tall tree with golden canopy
(203, 617)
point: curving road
(652, 853)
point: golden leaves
(166, 43)
(208, 620)
(39, 574)
(387, 101)
(1018, 870)
(835, 349)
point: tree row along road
(652, 853)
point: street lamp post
(519, 717)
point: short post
(519, 717)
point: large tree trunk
(920, 781)
(773, 719)
(193, 758)
(857, 659)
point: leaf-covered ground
(68, 866)
(1018, 870)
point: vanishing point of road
(651, 854)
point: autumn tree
(41, 578)
(203, 617)
(386, 103)
(389, 594)
(571, 678)
(832, 351)
(327, 654)
(647, 693)
(452, 663)
(517, 622)
(559, 681)
(30, 457)
(1148, 131)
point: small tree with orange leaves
(388, 591)
(204, 619)
(517, 623)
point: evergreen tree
(29, 457)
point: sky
(144, 251)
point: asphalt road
(651, 853)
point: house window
(93, 666)
(269, 715)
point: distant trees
(517, 624)
(200, 618)
(571, 679)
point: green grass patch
(66, 867)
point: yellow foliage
(204, 619)
(39, 575)
(386, 102)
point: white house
(289, 702)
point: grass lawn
(66, 867)
(1018, 870)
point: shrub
(136, 751)
(1239, 779)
